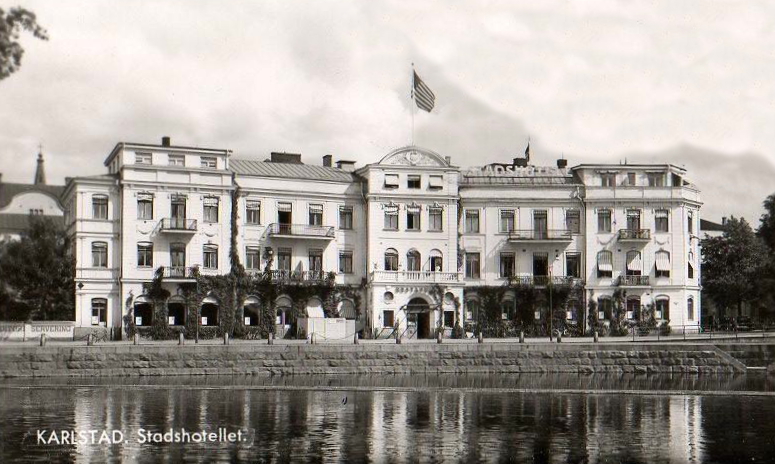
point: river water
(391, 419)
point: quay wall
(365, 359)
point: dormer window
(391, 181)
(209, 162)
(143, 158)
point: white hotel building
(410, 232)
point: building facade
(413, 237)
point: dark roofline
(706, 225)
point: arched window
(413, 260)
(436, 261)
(210, 308)
(662, 308)
(143, 309)
(508, 308)
(472, 309)
(391, 259)
(251, 311)
(315, 308)
(605, 264)
(99, 311)
(282, 304)
(99, 254)
(176, 311)
(690, 309)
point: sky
(688, 83)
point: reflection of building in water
(685, 429)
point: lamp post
(196, 334)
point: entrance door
(424, 325)
(178, 208)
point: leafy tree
(767, 223)
(734, 265)
(14, 21)
(37, 272)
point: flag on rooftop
(422, 94)
(527, 151)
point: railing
(179, 272)
(415, 276)
(633, 280)
(178, 225)
(298, 276)
(542, 281)
(300, 230)
(549, 234)
(634, 234)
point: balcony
(178, 225)
(550, 235)
(299, 277)
(634, 235)
(633, 281)
(543, 281)
(423, 277)
(179, 273)
(300, 231)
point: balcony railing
(519, 235)
(543, 281)
(633, 281)
(178, 225)
(179, 272)
(415, 276)
(300, 230)
(635, 235)
(298, 276)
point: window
(210, 256)
(605, 308)
(316, 262)
(99, 254)
(633, 219)
(573, 221)
(346, 262)
(412, 218)
(472, 265)
(145, 254)
(436, 261)
(605, 266)
(99, 205)
(387, 318)
(346, 217)
(176, 160)
(690, 270)
(507, 265)
(285, 216)
(144, 206)
(472, 221)
(413, 261)
(177, 255)
(391, 181)
(209, 162)
(507, 220)
(690, 222)
(540, 264)
(604, 221)
(656, 179)
(391, 259)
(634, 264)
(253, 212)
(211, 209)
(316, 215)
(631, 178)
(608, 179)
(391, 217)
(662, 263)
(435, 182)
(143, 158)
(573, 265)
(252, 257)
(633, 308)
(449, 319)
(690, 309)
(540, 224)
(508, 310)
(284, 259)
(435, 219)
(662, 309)
(413, 182)
(99, 311)
(660, 220)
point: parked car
(744, 324)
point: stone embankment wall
(369, 359)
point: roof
(289, 170)
(708, 226)
(10, 190)
(16, 223)
(499, 174)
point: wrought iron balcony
(415, 276)
(634, 235)
(179, 272)
(633, 281)
(548, 235)
(290, 277)
(300, 231)
(543, 281)
(178, 225)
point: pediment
(414, 156)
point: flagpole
(411, 107)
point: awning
(285, 207)
(391, 209)
(253, 204)
(633, 212)
(663, 261)
(315, 208)
(604, 261)
(315, 311)
(413, 208)
(391, 179)
(634, 262)
(145, 196)
(211, 201)
(435, 181)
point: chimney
(165, 141)
(448, 159)
(348, 166)
(562, 163)
(327, 160)
(289, 158)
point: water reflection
(290, 425)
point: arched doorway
(210, 311)
(419, 313)
(251, 311)
(176, 311)
(143, 311)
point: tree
(766, 228)
(11, 24)
(37, 272)
(734, 265)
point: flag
(527, 152)
(423, 95)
